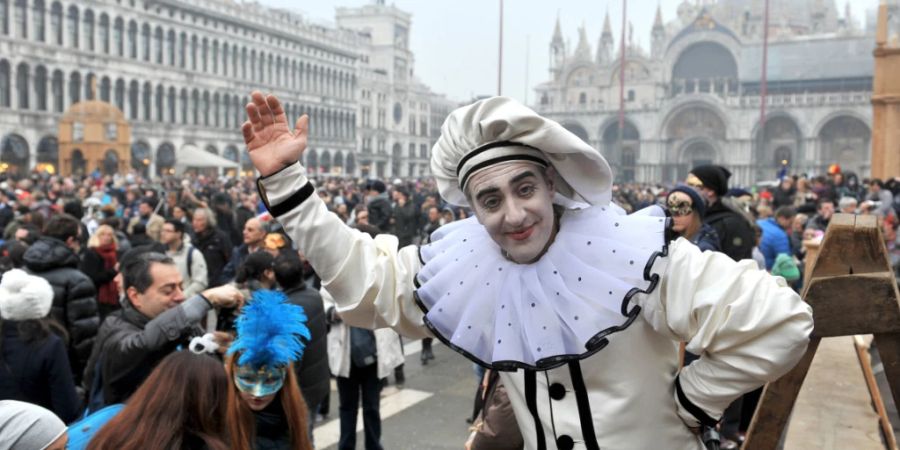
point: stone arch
(23, 83)
(778, 144)
(212, 149)
(5, 83)
(696, 152)
(14, 154)
(350, 164)
(110, 162)
(312, 161)
(577, 130)
(40, 88)
(74, 87)
(165, 159)
(396, 159)
(338, 161)
(78, 163)
(231, 153)
(691, 133)
(325, 161)
(706, 67)
(48, 152)
(845, 140)
(623, 159)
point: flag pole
(500, 55)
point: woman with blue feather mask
(265, 407)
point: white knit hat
(500, 129)
(24, 297)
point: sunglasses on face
(679, 209)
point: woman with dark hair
(34, 366)
(257, 272)
(181, 405)
(266, 410)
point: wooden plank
(888, 345)
(852, 245)
(776, 402)
(872, 299)
(862, 352)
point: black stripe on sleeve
(293, 201)
(692, 408)
(531, 401)
(584, 406)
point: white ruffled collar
(541, 315)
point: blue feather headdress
(269, 331)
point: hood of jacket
(49, 253)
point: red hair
(242, 425)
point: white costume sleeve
(370, 280)
(748, 327)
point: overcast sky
(455, 42)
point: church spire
(583, 51)
(557, 32)
(605, 47)
(658, 22)
(607, 28)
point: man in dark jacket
(254, 236)
(213, 243)
(405, 218)
(54, 257)
(378, 205)
(736, 235)
(313, 374)
(154, 321)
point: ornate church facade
(694, 97)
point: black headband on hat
(495, 159)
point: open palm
(270, 142)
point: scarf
(108, 293)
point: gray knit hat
(27, 426)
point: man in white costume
(580, 305)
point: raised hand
(268, 136)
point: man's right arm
(369, 279)
(167, 327)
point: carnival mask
(259, 382)
(680, 208)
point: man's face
(826, 210)
(849, 208)
(784, 222)
(253, 232)
(169, 235)
(144, 209)
(434, 215)
(362, 217)
(707, 193)
(199, 221)
(513, 201)
(165, 292)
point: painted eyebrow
(522, 176)
(487, 191)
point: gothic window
(73, 26)
(158, 45)
(89, 81)
(40, 87)
(118, 37)
(216, 110)
(205, 53)
(225, 58)
(696, 122)
(133, 97)
(56, 24)
(104, 33)
(582, 98)
(147, 101)
(4, 16)
(195, 100)
(105, 89)
(204, 108)
(160, 105)
(22, 85)
(215, 57)
(57, 89)
(4, 83)
(170, 48)
(182, 50)
(120, 94)
(184, 107)
(21, 20)
(89, 30)
(145, 42)
(194, 50)
(38, 20)
(171, 104)
(74, 88)
(132, 40)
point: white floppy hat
(500, 129)
(24, 297)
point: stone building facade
(182, 72)
(694, 96)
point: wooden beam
(871, 297)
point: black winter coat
(313, 374)
(406, 223)
(216, 249)
(37, 372)
(74, 296)
(129, 346)
(736, 235)
(380, 212)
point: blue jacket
(774, 241)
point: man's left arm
(749, 327)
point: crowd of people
(107, 280)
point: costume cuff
(690, 413)
(285, 189)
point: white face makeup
(514, 203)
